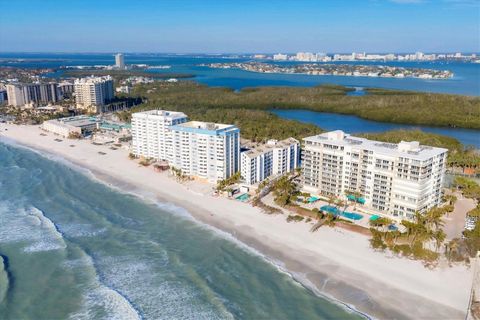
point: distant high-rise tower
(119, 61)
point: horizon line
(223, 53)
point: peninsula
(348, 70)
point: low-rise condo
(65, 127)
(273, 158)
(151, 134)
(396, 179)
(206, 150)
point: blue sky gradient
(205, 26)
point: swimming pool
(335, 211)
(244, 197)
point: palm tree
(330, 201)
(357, 196)
(439, 236)
(452, 246)
(348, 194)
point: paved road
(455, 222)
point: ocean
(74, 248)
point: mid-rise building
(32, 93)
(151, 134)
(273, 158)
(119, 61)
(93, 92)
(397, 179)
(206, 150)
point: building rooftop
(269, 146)
(93, 79)
(204, 127)
(407, 149)
(78, 121)
(161, 113)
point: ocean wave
(52, 239)
(81, 230)
(100, 301)
(30, 226)
(141, 281)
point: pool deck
(359, 209)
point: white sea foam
(29, 226)
(142, 281)
(82, 230)
(99, 300)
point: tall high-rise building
(273, 158)
(397, 179)
(151, 134)
(36, 93)
(119, 61)
(93, 92)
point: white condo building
(151, 135)
(273, 158)
(93, 92)
(207, 150)
(397, 179)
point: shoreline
(331, 262)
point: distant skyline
(188, 26)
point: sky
(239, 26)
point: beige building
(92, 93)
(32, 93)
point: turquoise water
(336, 211)
(73, 248)
(244, 197)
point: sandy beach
(332, 261)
